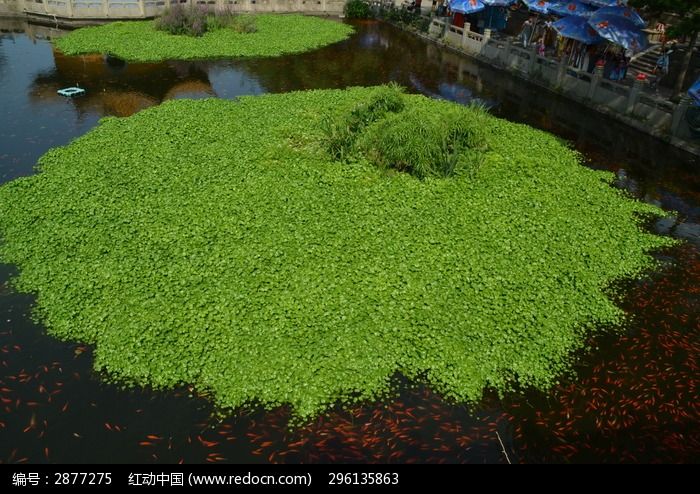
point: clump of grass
(418, 141)
(229, 20)
(179, 20)
(196, 21)
(342, 131)
(244, 24)
(425, 143)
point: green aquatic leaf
(255, 267)
(140, 41)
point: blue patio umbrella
(606, 3)
(694, 92)
(467, 6)
(539, 6)
(573, 7)
(621, 11)
(621, 31)
(577, 28)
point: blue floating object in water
(69, 92)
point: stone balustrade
(629, 102)
(140, 9)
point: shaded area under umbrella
(491, 5)
(467, 6)
(539, 6)
(620, 11)
(620, 31)
(577, 28)
(572, 8)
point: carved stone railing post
(639, 82)
(595, 80)
(679, 113)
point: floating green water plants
(140, 41)
(219, 244)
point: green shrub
(196, 21)
(422, 24)
(357, 9)
(179, 20)
(244, 24)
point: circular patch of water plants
(220, 244)
(140, 41)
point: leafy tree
(688, 25)
(358, 9)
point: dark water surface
(634, 398)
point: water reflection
(116, 88)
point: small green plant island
(306, 248)
(192, 34)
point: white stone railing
(108, 9)
(654, 113)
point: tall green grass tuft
(342, 131)
(426, 143)
(420, 141)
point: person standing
(526, 33)
(663, 62)
(624, 65)
(661, 32)
(561, 46)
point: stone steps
(646, 61)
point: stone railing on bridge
(138, 9)
(628, 102)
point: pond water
(634, 398)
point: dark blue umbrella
(539, 6)
(577, 28)
(621, 31)
(467, 6)
(573, 7)
(694, 92)
(621, 11)
(498, 3)
(606, 3)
